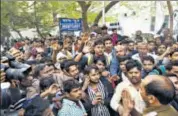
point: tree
(10, 19)
(84, 6)
(170, 9)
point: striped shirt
(70, 108)
(100, 109)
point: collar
(69, 102)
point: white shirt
(135, 95)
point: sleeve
(115, 101)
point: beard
(135, 81)
(94, 82)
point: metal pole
(103, 13)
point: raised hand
(53, 89)
(127, 102)
(86, 83)
(86, 49)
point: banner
(66, 24)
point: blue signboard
(66, 24)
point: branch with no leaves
(110, 5)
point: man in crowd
(72, 106)
(157, 92)
(54, 71)
(133, 68)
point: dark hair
(131, 41)
(68, 63)
(176, 50)
(98, 42)
(171, 75)
(70, 37)
(46, 82)
(46, 60)
(171, 64)
(89, 68)
(132, 64)
(102, 59)
(104, 27)
(71, 84)
(163, 93)
(148, 58)
(124, 42)
(125, 37)
(60, 43)
(123, 58)
(37, 70)
(106, 38)
(36, 107)
(113, 29)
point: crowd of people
(95, 74)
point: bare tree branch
(107, 8)
(170, 9)
(89, 4)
